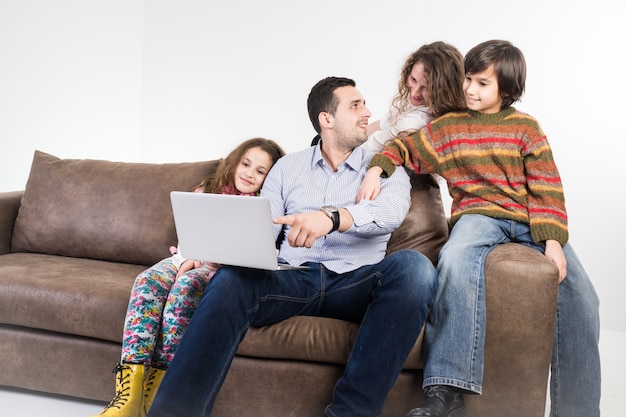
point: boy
(505, 187)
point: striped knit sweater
(499, 165)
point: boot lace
(121, 395)
(149, 383)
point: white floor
(16, 403)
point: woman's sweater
(499, 165)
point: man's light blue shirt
(302, 181)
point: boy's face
(481, 91)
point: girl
(164, 297)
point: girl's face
(416, 83)
(482, 92)
(252, 170)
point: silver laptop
(226, 229)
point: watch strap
(333, 214)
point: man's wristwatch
(333, 213)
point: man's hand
(370, 186)
(554, 252)
(305, 227)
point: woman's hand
(370, 187)
(554, 252)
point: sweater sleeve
(410, 121)
(546, 200)
(407, 151)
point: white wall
(165, 81)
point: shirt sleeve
(385, 213)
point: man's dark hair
(322, 98)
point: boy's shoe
(440, 401)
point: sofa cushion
(112, 211)
(311, 339)
(71, 296)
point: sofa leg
(151, 384)
(128, 400)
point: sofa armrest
(521, 288)
(9, 206)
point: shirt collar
(354, 161)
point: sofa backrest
(104, 210)
(425, 227)
(121, 212)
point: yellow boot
(128, 400)
(150, 386)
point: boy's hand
(554, 252)
(370, 187)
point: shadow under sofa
(73, 241)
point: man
(312, 195)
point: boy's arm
(397, 152)
(546, 200)
(401, 151)
(370, 186)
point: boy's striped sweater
(499, 165)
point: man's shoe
(440, 401)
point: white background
(167, 81)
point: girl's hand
(554, 252)
(187, 266)
(213, 267)
(370, 187)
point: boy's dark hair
(508, 63)
(322, 98)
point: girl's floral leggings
(159, 311)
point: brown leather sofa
(73, 241)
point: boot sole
(459, 412)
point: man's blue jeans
(390, 299)
(455, 332)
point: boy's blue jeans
(391, 299)
(455, 332)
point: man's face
(351, 118)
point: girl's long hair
(222, 177)
(445, 73)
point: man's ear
(326, 119)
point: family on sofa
(351, 275)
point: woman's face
(416, 83)
(252, 170)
